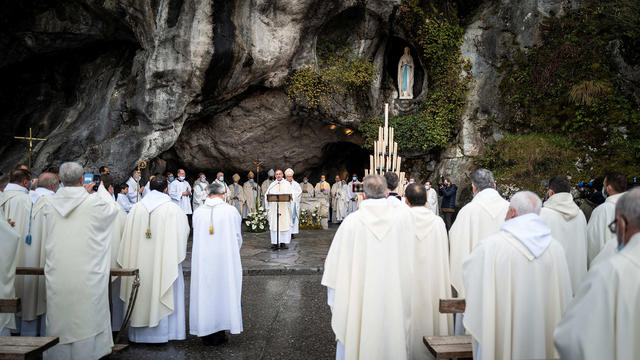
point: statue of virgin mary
(405, 76)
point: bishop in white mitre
(431, 273)
(517, 286)
(216, 272)
(156, 225)
(31, 290)
(568, 226)
(8, 248)
(599, 238)
(237, 199)
(296, 194)
(323, 189)
(199, 191)
(105, 191)
(335, 188)
(77, 246)
(252, 194)
(280, 214)
(180, 193)
(603, 320)
(368, 273)
(306, 188)
(478, 219)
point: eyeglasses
(613, 226)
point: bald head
(49, 181)
(524, 202)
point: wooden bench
(10, 306)
(450, 347)
(24, 347)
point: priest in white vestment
(266, 183)
(482, 217)
(296, 193)
(353, 198)
(155, 241)
(598, 235)
(134, 192)
(335, 189)
(341, 202)
(252, 194)
(199, 191)
(77, 246)
(48, 184)
(237, 194)
(105, 191)
(216, 271)
(323, 189)
(568, 226)
(368, 273)
(15, 203)
(220, 180)
(517, 286)
(280, 214)
(8, 248)
(431, 273)
(432, 198)
(180, 193)
(603, 320)
(306, 188)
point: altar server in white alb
(603, 320)
(432, 198)
(296, 193)
(599, 238)
(135, 192)
(430, 275)
(180, 192)
(280, 215)
(216, 271)
(31, 321)
(517, 286)
(155, 241)
(369, 276)
(77, 245)
(8, 248)
(568, 226)
(199, 191)
(480, 218)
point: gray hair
(215, 188)
(71, 173)
(375, 187)
(629, 206)
(526, 202)
(47, 180)
(482, 179)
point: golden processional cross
(31, 139)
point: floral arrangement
(310, 220)
(257, 221)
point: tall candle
(371, 163)
(386, 115)
(391, 140)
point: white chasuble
(369, 270)
(307, 190)
(323, 189)
(603, 320)
(335, 189)
(155, 241)
(569, 227)
(482, 217)
(8, 247)
(237, 197)
(515, 297)
(77, 245)
(216, 271)
(598, 234)
(430, 280)
(280, 216)
(252, 194)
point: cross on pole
(31, 139)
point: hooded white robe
(117, 228)
(8, 248)
(368, 272)
(517, 287)
(252, 194)
(216, 270)
(603, 320)
(598, 234)
(569, 227)
(159, 314)
(284, 215)
(176, 188)
(38, 192)
(482, 217)
(430, 280)
(296, 192)
(199, 193)
(432, 200)
(77, 244)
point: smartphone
(92, 178)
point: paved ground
(285, 315)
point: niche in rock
(349, 33)
(394, 51)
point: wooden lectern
(278, 198)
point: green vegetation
(574, 112)
(438, 31)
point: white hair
(628, 206)
(526, 202)
(215, 188)
(375, 186)
(71, 173)
(482, 179)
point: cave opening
(341, 158)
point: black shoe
(284, 246)
(293, 236)
(274, 247)
(215, 339)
